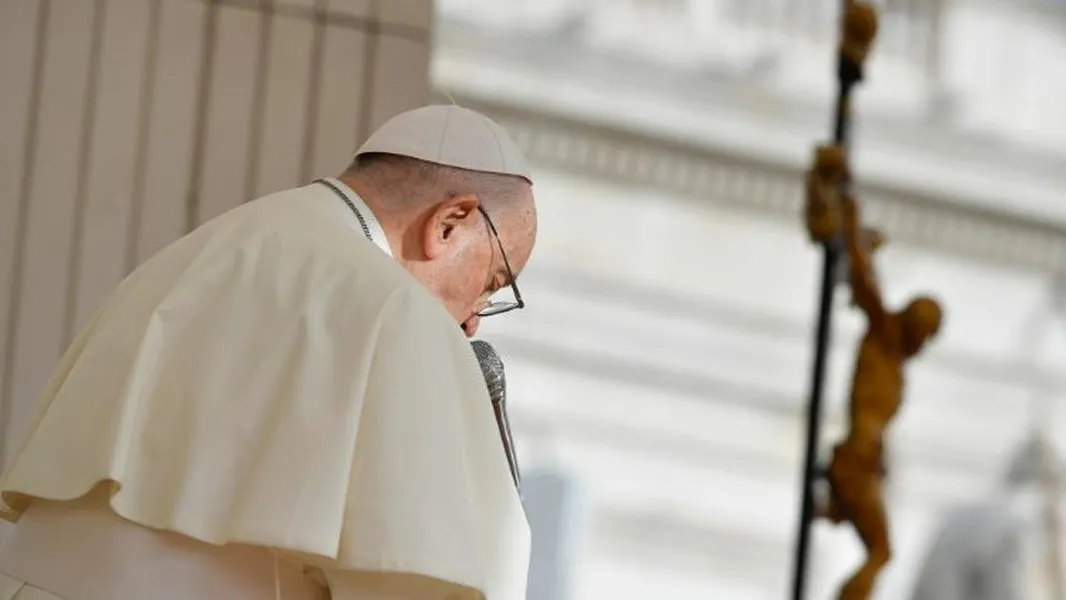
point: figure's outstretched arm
(864, 286)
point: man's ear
(447, 221)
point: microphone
(492, 369)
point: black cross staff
(849, 73)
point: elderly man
(283, 404)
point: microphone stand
(852, 51)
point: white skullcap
(451, 136)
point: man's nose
(470, 325)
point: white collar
(377, 234)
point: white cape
(274, 379)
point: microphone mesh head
(492, 369)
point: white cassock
(272, 380)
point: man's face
(465, 266)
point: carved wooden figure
(871, 240)
(856, 470)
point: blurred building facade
(663, 360)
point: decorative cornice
(709, 174)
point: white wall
(664, 358)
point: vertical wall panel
(229, 113)
(286, 107)
(101, 262)
(355, 8)
(305, 4)
(171, 127)
(19, 22)
(124, 122)
(558, 518)
(340, 101)
(42, 303)
(407, 13)
(401, 77)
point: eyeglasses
(500, 307)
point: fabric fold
(274, 379)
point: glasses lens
(495, 308)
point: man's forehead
(518, 235)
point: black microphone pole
(849, 73)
